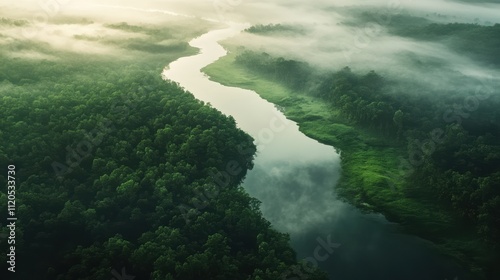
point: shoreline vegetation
(115, 166)
(371, 169)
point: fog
(83, 26)
(294, 177)
(331, 42)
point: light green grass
(370, 165)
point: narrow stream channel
(294, 178)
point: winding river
(294, 178)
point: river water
(294, 178)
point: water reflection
(295, 196)
(294, 178)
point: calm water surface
(294, 178)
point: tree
(398, 120)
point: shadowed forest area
(409, 150)
(119, 170)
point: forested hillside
(462, 169)
(476, 41)
(426, 156)
(121, 173)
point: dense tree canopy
(480, 42)
(118, 170)
(276, 29)
(454, 150)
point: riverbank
(370, 165)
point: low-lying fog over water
(335, 35)
(294, 176)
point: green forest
(456, 166)
(276, 29)
(122, 173)
(479, 42)
(428, 161)
(118, 173)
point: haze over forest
(388, 162)
(333, 34)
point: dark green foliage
(357, 97)
(400, 21)
(479, 42)
(458, 169)
(464, 171)
(275, 29)
(292, 73)
(119, 169)
(13, 22)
